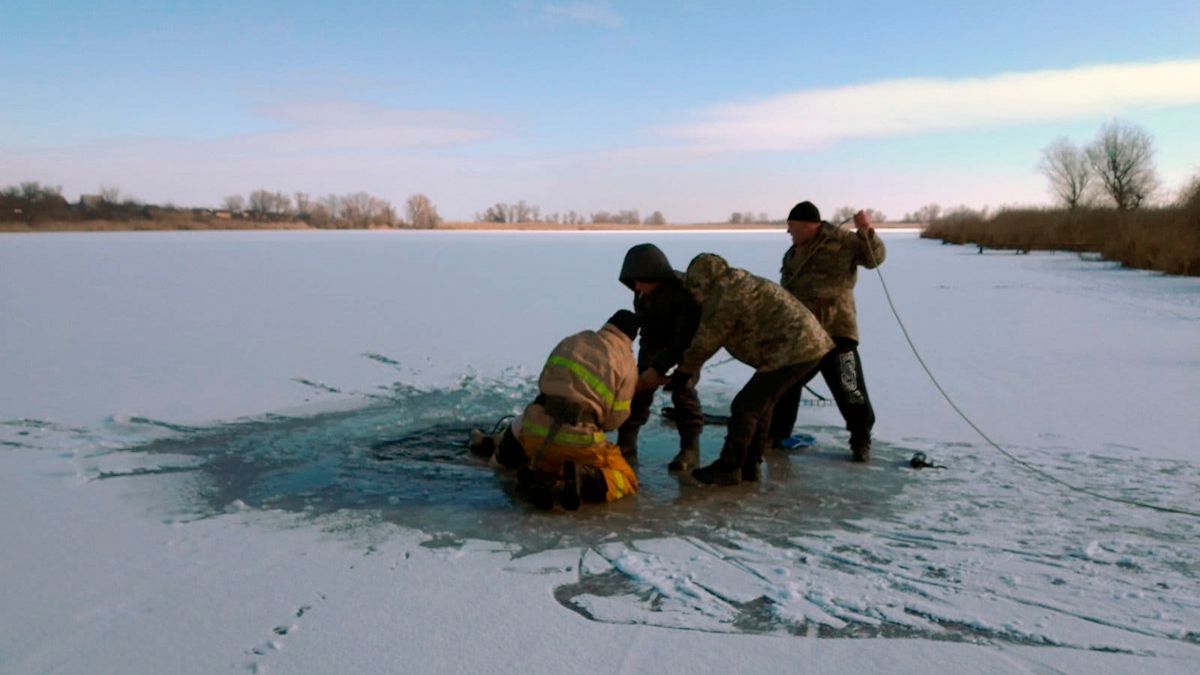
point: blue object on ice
(797, 441)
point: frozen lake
(323, 383)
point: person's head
(703, 273)
(624, 321)
(803, 222)
(643, 287)
(645, 268)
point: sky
(693, 109)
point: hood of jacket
(704, 272)
(646, 262)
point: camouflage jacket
(755, 320)
(822, 273)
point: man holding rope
(820, 269)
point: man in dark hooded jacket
(668, 316)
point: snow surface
(228, 451)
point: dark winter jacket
(668, 316)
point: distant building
(91, 201)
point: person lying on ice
(762, 325)
(558, 443)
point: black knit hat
(625, 321)
(805, 212)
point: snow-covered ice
(243, 451)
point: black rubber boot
(569, 497)
(689, 451)
(592, 486)
(536, 488)
(751, 471)
(860, 448)
(686, 460)
(719, 473)
(627, 438)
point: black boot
(860, 447)
(751, 471)
(719, 472)
(686, 460)
(592, 486)
(569, 497)
(536, 487)
(627, 438)
(689, 451)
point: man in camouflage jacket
(820, 269)
(762, 325)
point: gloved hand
(679, 381)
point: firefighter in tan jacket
(559, 443)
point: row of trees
(1117, 166)
(33, 203)
(354, 210)
(523, 212)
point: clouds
(341, 127)
(591, 13)
(816, 117)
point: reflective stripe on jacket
(593, 371)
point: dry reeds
(1162, 239)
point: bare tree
(265, 205)
(356, 209)
(843, 214)
(330, 209)
(656, 218)
(875, 215)
(735, 218)
(1066, 166)
(235, 203)
(924, 215)
(110, 195)
(421, 212)
(523, 213)
(1123, 158)
(497, 213)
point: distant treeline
(35, 206)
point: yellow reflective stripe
(585, 375)
(574, 439)
(621, 405)
(620, 485)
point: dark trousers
(842, 370)
(752, 409)
(510, 454)
(689, 418)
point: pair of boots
(729, 472)
(578, 483)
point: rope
(1020, 462)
